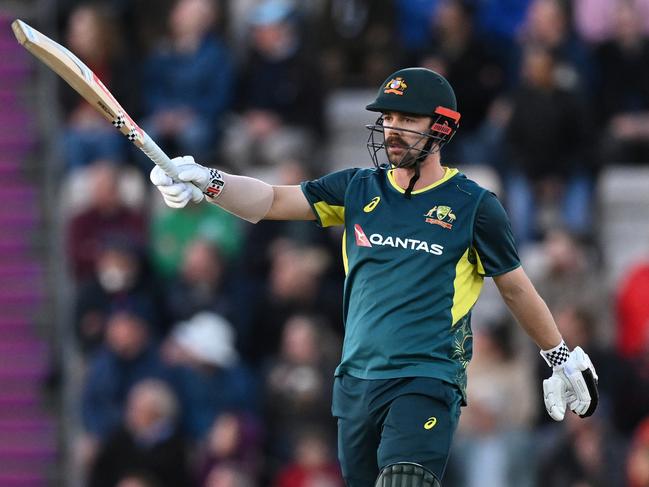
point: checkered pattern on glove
(557, 355)
(215, 183)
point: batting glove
(573, 382)
(191, 175)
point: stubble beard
(407, 159)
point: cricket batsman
(419, 239)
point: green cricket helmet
(417, 91)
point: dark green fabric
(493, 237)
(383, 422)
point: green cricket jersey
(414, 269)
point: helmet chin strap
(413, 180)
(420, 158)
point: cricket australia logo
(441, 215)
(396, 86)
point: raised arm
(248, 198)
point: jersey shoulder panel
(326, 195)
(493, 238)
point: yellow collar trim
(449, 172)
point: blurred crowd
(209, 344)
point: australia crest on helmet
(396, 86)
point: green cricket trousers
(386, 421)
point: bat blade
(81, 78)
(69, 67)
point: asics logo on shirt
(372, 204)
(430, 423)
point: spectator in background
(250, 279)
(623, 96)
(228, 476)
(413, 21)
(296, 285)
(586, 453)
(126, 13)
(298, 384)
(357, 41)
(127, 356)
(189, 79)
(199, 286)
(595, 19)
(261, 239)
(569, 275)
(354, 40)
(631, 379)
(279, 93)
(121, 280)
(147, 441)
(548, 25)
(632, 348)
(312, 464)
(494, 443)
(473, 72)
(499, 24)
(233, 441)
(173, 231)
(137, 480)
(207, 374)
(637, 467)
(547, 179)
(632, 311)
(94, 36)
(106, 217)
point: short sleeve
(493, 239)
(326, 196)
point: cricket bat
(88, 85)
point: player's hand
(195, 182)
(177, 194)
(573, 384)
(189, 171)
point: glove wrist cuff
(215, 183)
(556, 356)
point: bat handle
(157, 155)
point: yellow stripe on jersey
(345, 261)
(330, 215)
(466, 286)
